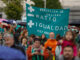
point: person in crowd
(31, 39)
(14, 27)
(6, 29)
(79, 53)
(36, 52)
(75, 33)
(58, 37)
(78, 39)
(23, 30)
(37, 37)
(0, 25)
(1, 29)
(68, 54)
(51, 42)
(17, 35)
(9, 41)
(23, 34)
(50, 53)
(1, 40)
(58, 51)
(58, 48)
(11, 29)
(24, 42)
(43, 39)
(7, 53)
(69, 39)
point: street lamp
(44, 3)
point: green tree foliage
(5, 1)
(13, 9)
(51, 4)
(39, 3)
(1, 9)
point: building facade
(74, 6)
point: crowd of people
(40, 47)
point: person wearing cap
(36, 52)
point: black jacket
(1, 42)
(43, 40)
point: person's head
(9, 39)
(69, 36)
(15, 25)
(37, 37)
(32, 37)
(43, 36)
(25, 33)
(68, 52)
(58, 37)
(79, 31)
(37, 42)
(24, 29)
(0, 36)
(51, 35)
(75, 33)
(24, 40)
(5, 29)
(18, 30)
